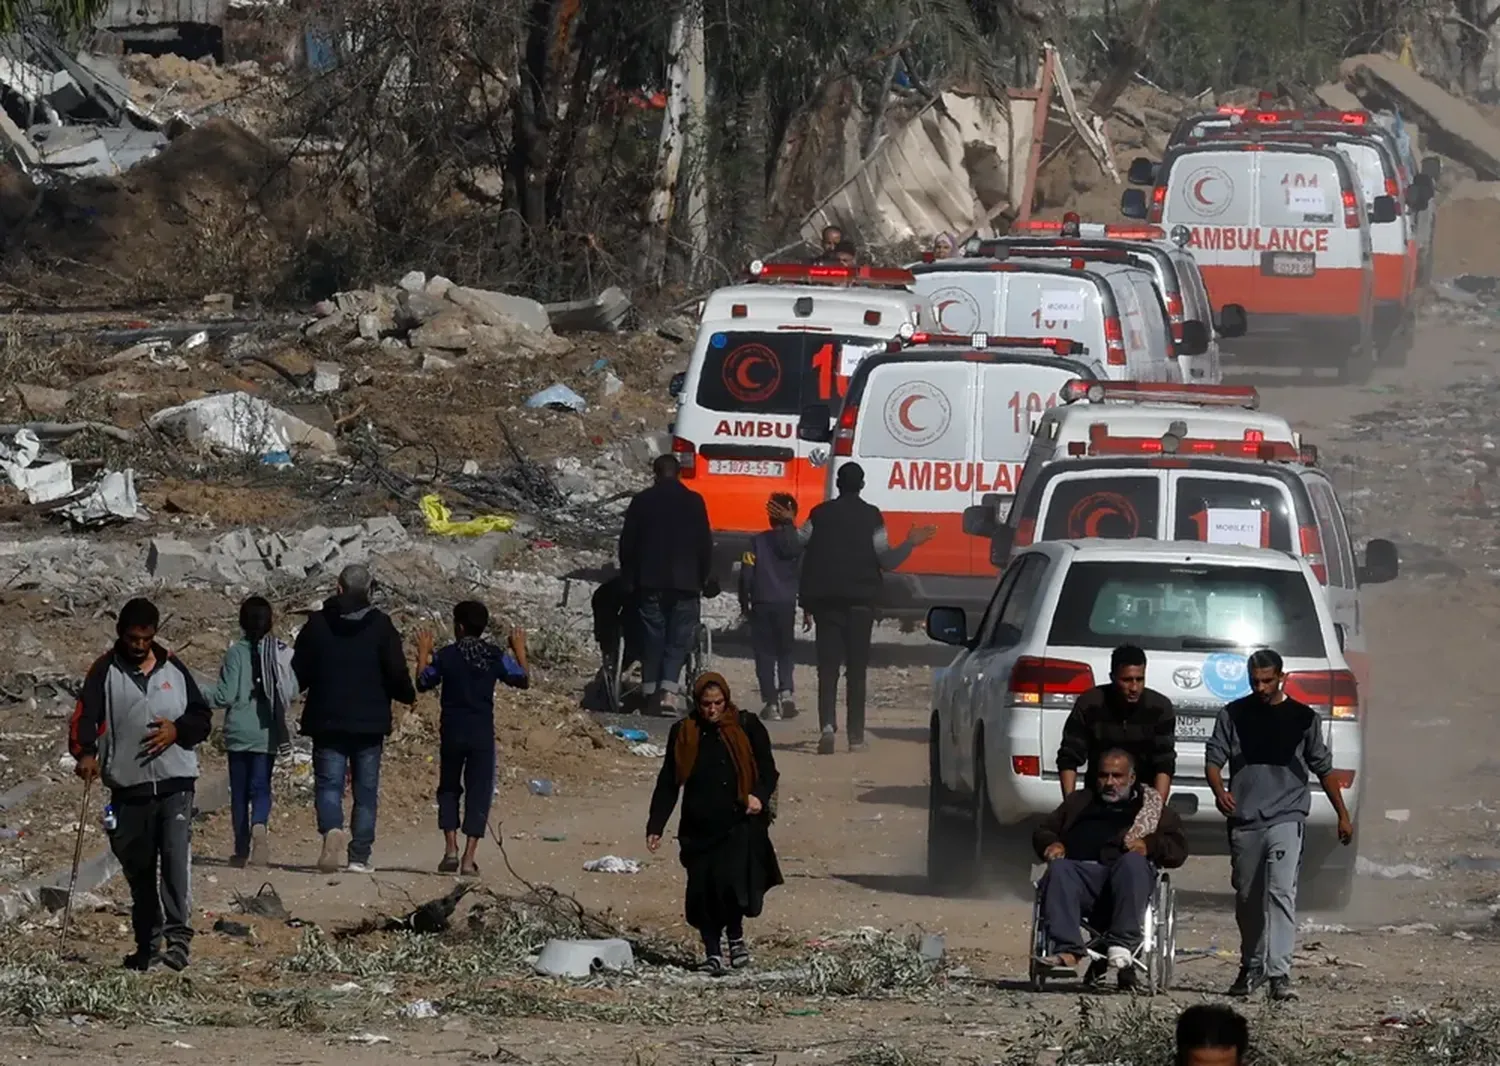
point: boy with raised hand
(768, 597)
(467, 671)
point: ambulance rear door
(914, 436)
(1061, 302)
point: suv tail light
(843, 435)
(1310, 545)
(686, 454)
(1332, 693)
(1039, 682)
(1174, 312)
(1026, 765)
(1114, 342)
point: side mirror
(1142, 171)
(1383, 210)
(948, 625)
(816, 424)
(677, 384)
(1382, 563)
(979, 521)
(1432, 167)
(1000, 544)
(1232, 321)
(1420, 192)
(1133, 203)
(1194, 338)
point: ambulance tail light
(1175, 313)
(1114, 342)
(1393, 190)
(1255, 436)
(1158, 204)
(1332, 693)
(1244, 396)
(843, 434)
(686, 454)
(1351, 210)
(1176, 442)
(872, 318)
(1040, 682)
(738, 311)
(1025, 532)
(1310, 545)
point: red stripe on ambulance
(939, 476)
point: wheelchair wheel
(1162, 949)
(700, 657)
(609, 674)
(1038, 972)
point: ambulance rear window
(779, 372)
(1207, 509)
(1107, 506)
(1299, 190)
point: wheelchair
(1152, 959)
(617, 633)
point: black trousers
(152, 841)
(466, 778)
(843, 643)
(773, 638)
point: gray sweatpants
(1264, 864)
(153, 842)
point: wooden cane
(83, 814)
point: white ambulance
(791, 336)
(938, 426)
(1112, 308)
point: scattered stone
(369, 326)
(447, 332)
(324, 308)
(326, 324)
(419, 308)
(604, 313)
(219, 301)
(436, 363)
(676, 329)
(499, 309)
(327, 376)
(415, 281)
(438, 286)
(42, 401)
(173, 560)
(612, 386)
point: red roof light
(820, 274)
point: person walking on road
(720, 759)
(467, 671)
(1269, 741)
(256, 687)
(768, 597)
(138, 718)
(349, 660)
(847, 549)
(1122, 714)
(666, 560)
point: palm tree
(68, 16)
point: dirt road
(852, 829)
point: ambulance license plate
(747, 467)
(1190, 727)
(1288, 264)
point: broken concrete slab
(419, 308)
(438, 286)
(329, 323)
(1338, 97)
(170, 559)
(413, 281)
(327, 376)
(241, 424)
(1454, 127)
(498, 308)
(448, 332)
(604, 313)
(42, 401)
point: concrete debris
(1453, 126)
(38, 482)
(604, 313)
(110, 498)
(241, 424)
(584, 958)
(499, 309)
(415, 281)
(244, 557)
(42, 401)
(436, 362)
(448, 332)
(327, 376)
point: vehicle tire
(1400, 343)
(1360, 364)
(950, 854)
(1327, 875)
(1002, 854)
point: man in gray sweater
(1270, 742)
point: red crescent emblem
(742, 373)
(1198, 191)
(903, 413)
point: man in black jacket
(1123, 714)
(847, 549)
(350, 664)
(1094, 847)
(666, 560)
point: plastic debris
(649, 751)
(1401, 872)
(635, 736)
(612, 864)
(1398, 816)
(540, 786)
(419, 1008)
(346, 988)
(440, 521)
(558, 398)
(583, 958)
(368, 1039)
(241, 424)
(109, 498)
(196, 340)
(40, 483)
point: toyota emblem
(1188, 677)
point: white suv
(1057, 613)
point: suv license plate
(747, 467)
(1288, 264)
(1191, 727)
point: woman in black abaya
(720, 758)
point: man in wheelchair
(1103, 846)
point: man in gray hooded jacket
(138, 718)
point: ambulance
(1111, 308)
(1178, 280)
(791, 336)
(1282, 231)
(938, 425)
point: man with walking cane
(138, 718)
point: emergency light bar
(1244, 396)
(1091, 230)
(1065, 249)
(1343, 118)
(1059, 345)
(1176, 442)
(819, 274)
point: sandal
(1061, 962)
(713, 966)
(471, 870)
(739, 954)
(449, 865)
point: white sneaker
(1119, 958)
(359, 868)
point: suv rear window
(778, 373)
(1177, 607)
(1107, 506)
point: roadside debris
(241, 424)
(1401, 872)
(440, 521)
(605, 313)
(558, 398)
(612, 864)
(1453, 126)
(584, 958)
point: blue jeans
(356, 758)
(669, 625)
(249, 795)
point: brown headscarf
(685, 754)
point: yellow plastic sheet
(440, 521)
